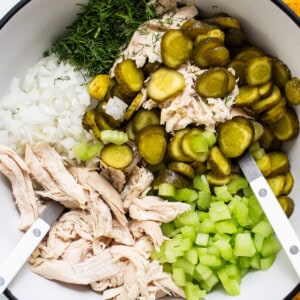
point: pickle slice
(152, 154)
(234, 137)
(89, 123)
(117, 156)
(289, 183)
(219, 163)
(129, 77)
(234, 37)
(182, 168)
(267, 138)
(144, 118)
(265, 89)
(192, 28)
(276, 184)
(168, 176)
(175, 149)
(265, 165)
(287, 204)
(176, 48)
(217, 180)
(258, 70)
(247, 96)
(165, 83)
(248, 53)
(279, 162)
(274, 113)
(239, 67)
(266, 103)
(292, 91)
(134, 106)
(287, 127)
(224, 21)
(281, 73)
(258, 130)
(98, 86)
(214, 33)
(213, 83)
(231, 82)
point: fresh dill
(101, 29)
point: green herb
(99, 32)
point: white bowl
(30, 28)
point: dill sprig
(99, 32)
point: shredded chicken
(14, 168)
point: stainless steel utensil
(31, 239)
(275, 214)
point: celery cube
(264, 228)
(219, 211)
(237, 184)
(166, 190)
(211, 260)
(187, 218)
(258, 241)
(202, 239)
(167, 228)
(186, 195)
(244, 262)
(192, 255)
(231, 286)
(206, 226)
(255, 261)
(226, 226)
(243, 245)
(179, 276)
(201, 251)
(200, 183)
(199, 144)
(202, 272)
(270, 246)
(193, 291)
(188, 231)
(204, 199)
(209, 283)
(267, 262)
(222, 193)
(187, 266)
(241, 212)
(224, 248)
(210, 137)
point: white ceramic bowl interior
(30, 31)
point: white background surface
(5, 6)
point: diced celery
(240, 212)
(202, 215)
(233, 272)
(199, 144)
(255, 210)
(206, 226)
(186, 195)
(192, 255)
(202, 239)
(210, 137)
(226, 226)
(267, 262)
(224, 248)
(231, 286)
(200, 183)
(186, 218)
(244, 262)
(193, 291)
(204, 199)
(179, 276)
(167, 268)
(184, 264)
(85, 151)
(264, 228)
(201, 251)
(219, 211)
(202, 272)
(211, 260)
(258, 240)
(237, 184)
(270, 246)
(243, 245)
(222, 193)
(166, 190)
(168, 228)
(188, 231)
(209, 283)
(255, 261)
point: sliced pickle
(274, 113)
(231, 82)
(289, 183)
(130, 131)
(214, 33)
(234, 37)
(265, 89)
(89, 123)
(175, 149)
(281, 73)
(265, 165)
(217, 180)
(267, 138)
(258, 130)
(176, 48)
(192, 28)
(165, 83)
(129, 77)
(144, 118)
(117, 156)
(267, 103)
(224, 21)
(277, 184)
(134, 106)
(248, 53)
(287, 204)
(279, 162)
(234, 137)
(213, 83)
(287, 127)
(247, 96)
(203, 56)
(182, 168)
(292, 90)
(150, 130)
(258, 70)
(99, 86)
(168, 176)
(219, 163)
(239, 67)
